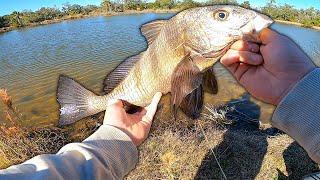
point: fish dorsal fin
(152, 29)
(115, 77)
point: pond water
(31, 59)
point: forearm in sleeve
(107, 154)
(298, 114)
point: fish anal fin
(186, 88)
(152, 29)
(210, 82)
(115, 77)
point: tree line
(25, 18)
(308, 17)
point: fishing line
(214, 155)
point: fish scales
(180, 54)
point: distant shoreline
(95, 14)
(297, 24)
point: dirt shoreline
(95, 14)
(297, 24)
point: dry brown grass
(181, 148)
(177, 149)
(18, 143)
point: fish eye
(221, 15)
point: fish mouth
(252, 29)
(249, 32)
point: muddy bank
(297, 24)
(128, 12)
(93, 14)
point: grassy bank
(104, 13)
(181, 148)
(46, 22)
(93, 14)
(298, 24)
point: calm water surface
(31, 59)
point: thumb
(152, 108)
(267, 35)
(114, 108)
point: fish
(178, 60)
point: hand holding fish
(137, 125)
(179, 58)
(270, 74)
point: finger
(233, 56)
(152, 108)
(242, 45)
(267, 35)
(241, 70)
(232, 68)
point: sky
(8, 6)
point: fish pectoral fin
(186, 88)
(152, 29)
(210, 82)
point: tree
(119, 5)
(108, 5)
(72, 9)
(2, 22)
(287, 13)
(222, 2)
(5, 21)
(185, 4)
(131, 4)
(270, 8)
(15, 19)
(89, 8)
(165, 4)
(272, 1)
(309, 17)
(48, 13)
(246, 4)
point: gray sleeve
(107, 154)
(298, 114)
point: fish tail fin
(75, 101)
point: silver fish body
(179, 51)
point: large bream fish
(179, 57)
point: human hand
(137, 125)
(270, 74)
